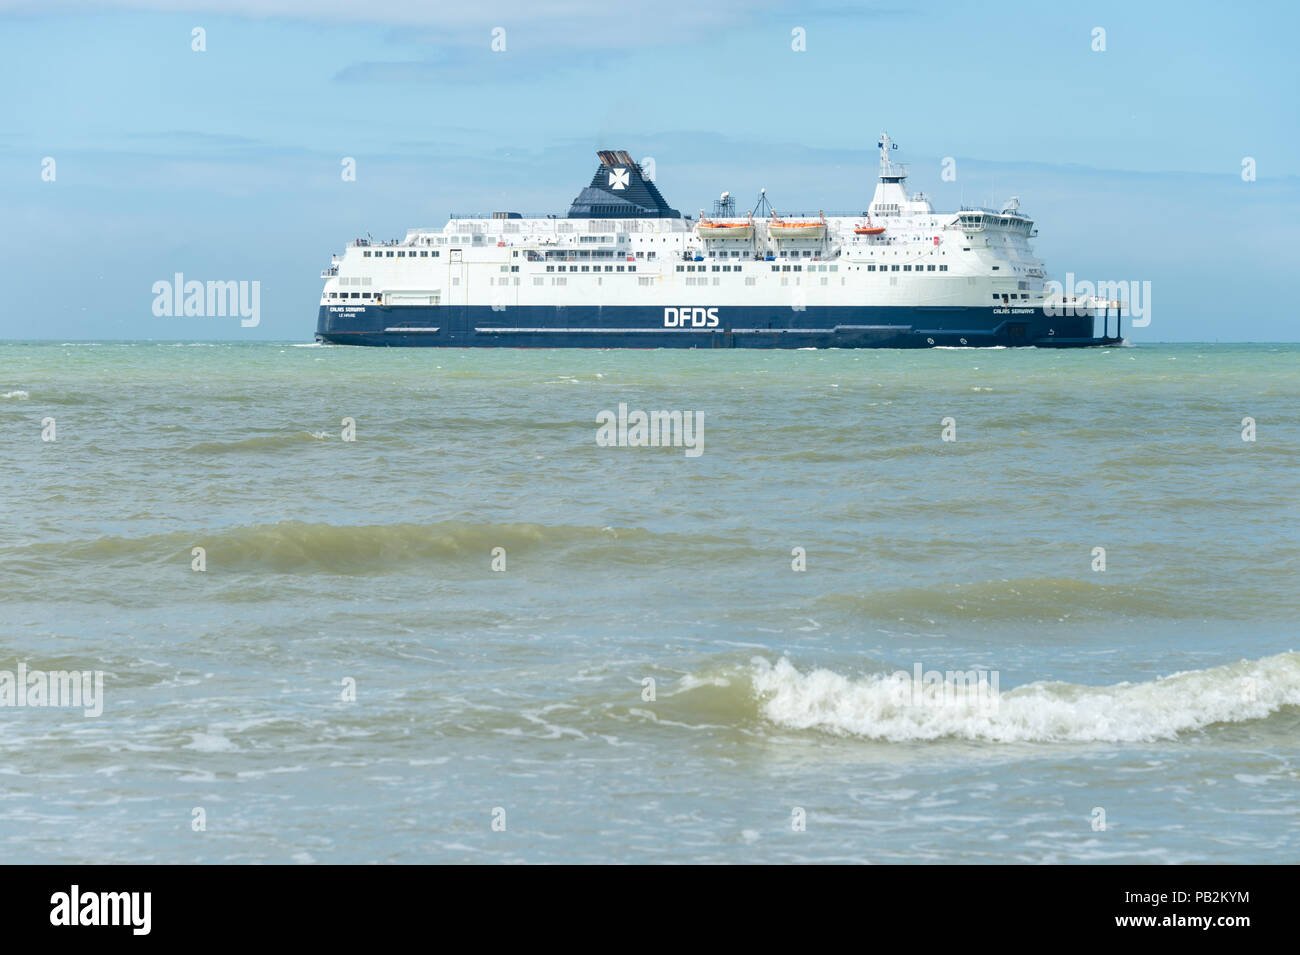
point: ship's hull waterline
(452, 326)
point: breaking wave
(872, 707)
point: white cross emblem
(619, 178)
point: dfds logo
(694, 317)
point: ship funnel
(620, 190)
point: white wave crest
(873, 707)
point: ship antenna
(888, 168)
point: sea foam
(1163, 708)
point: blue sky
(225, 164)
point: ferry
(622, 269)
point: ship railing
(368, 243)
(819, 214)
(331, 271)
(492, 215)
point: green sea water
(474, 634)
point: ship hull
(461, 326)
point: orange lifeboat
(868, 228)
(780, 228)
(714, 229)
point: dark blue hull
(461, 326)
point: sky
(225, 163)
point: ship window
(681, 268)
(365, 255)
(609, 268)
(717, 268)
(434, 253)
(620, 268)
(514, 268)
(776, 268)
(929, 268)
(356, 294)
(390, 255)
(943, 268)
(995, 296)
(893, 268)
(631, 268)
(871, 268)
(550, 268)
(907, 268)
(996, 267)
(401, 255)
(785, 268)
(586, 268)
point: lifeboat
(792, 229)
(713, 229)
(868, 228)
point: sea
(344, 605)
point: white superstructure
(972, 257)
